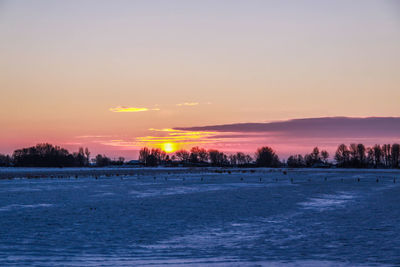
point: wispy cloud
(164, 130)
(177, 136)
(132, 109)
(301, 135)
(188, 104)
(329, 127)
(181, 139)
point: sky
(115, 76)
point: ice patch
(327, 201)
(212, 237)
(190, 189)
(20, 189)
(21, 206)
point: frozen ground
(157, 217)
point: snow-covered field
(200, 217)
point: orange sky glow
(115, 76)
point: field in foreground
(200, 217)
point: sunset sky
(118, 75)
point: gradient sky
(103, 73)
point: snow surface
(304, 218)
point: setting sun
(168, 147)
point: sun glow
(168, 147)
(168, 140)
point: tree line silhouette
(47, 155)
(358, 156)
(352, 156)
(196, 156)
